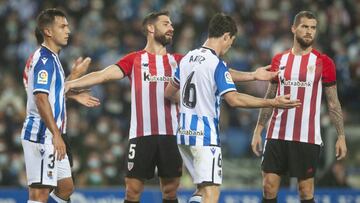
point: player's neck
(213, 44)
(155, 48)
(298, 50)
(51, 46)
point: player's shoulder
(134, 53)
(177, 56)
(280, 54)
(43, 55)
(324, 58)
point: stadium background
(106, 30)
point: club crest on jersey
(130, 165)
(173, 64)
(311, 68)
(228, 78)
(42, 77)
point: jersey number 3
(189, 93)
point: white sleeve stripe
(227, 90)
(175, 79)
(40, 90)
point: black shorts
(147, 152)
(288, 157)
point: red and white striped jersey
(151, 113)
(302, 76)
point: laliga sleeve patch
(228, 78)
(43, 77)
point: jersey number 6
(189, 92)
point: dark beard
(303, 43)
(162, 39)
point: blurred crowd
(105, 30)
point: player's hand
(67, 86)
(256, 144)
(340, 147)
(284, 102)
(59, 147)
(79, 67)
(264, 73)
(86, 99)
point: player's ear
(293, 29)
(47, 31)
(150, 28)
(226, 36)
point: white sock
(195, 199)
(56, 198)
(32, 201)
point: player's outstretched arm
(84, 97)
(336, 117)
(79, 68)
(111, 72)
(43, 105)
(172, 92)
(261, 73)
(264, 116)
(235, 99)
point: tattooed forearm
(335, 111)
(265, 113)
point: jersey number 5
(132, 151)
(189, 92)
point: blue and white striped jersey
(45, 75)
(203, 78)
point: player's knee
(39, 195)
(306, 192)
(65, 192)
(133, 192)
(270, 189)
(210, 193)
(169, 190)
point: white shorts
(42, 168)
(203, 162)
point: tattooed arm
(264, 116)
(336, 117)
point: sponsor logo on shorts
(42, 77)
(130, 165)
(50, 174)
(310, 170)
(213, 150)
(42, 152)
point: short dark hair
(152, 18)
(221, 24)
(46, 18)
(302, 14)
